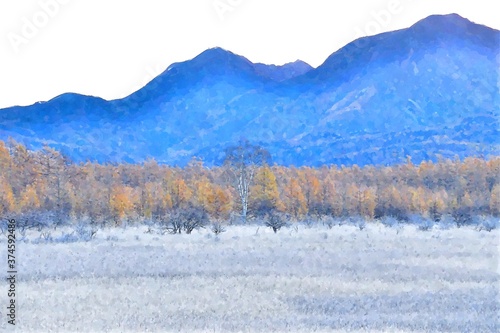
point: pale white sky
(110, 48)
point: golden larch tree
(7, 199)
(180, 193)
(294, 199)
(368, 203)
(29, 200)
(265, 190)
(495, 200)
(123, 201)
(219, 203)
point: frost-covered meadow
(249, 279)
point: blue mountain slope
(424, 91)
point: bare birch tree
(241, 163)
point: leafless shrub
(86, 232)
(358, 222)
(174, 224)
(462, 216)
(328, 221)
(188, 220)
(22, 235)
(275, 221)
(46, 236)
(423, 224)
(488, 224)
(217, 228)
(3, 226)
(308, 222)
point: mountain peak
(217, 54)
(436, 26)
(218, 59)
(445, 22)
(299, 64)
(283, 72)
(216, 51)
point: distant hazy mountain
(424, 91)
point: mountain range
(427, 91)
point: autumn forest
(44, 185)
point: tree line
(45, 185)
